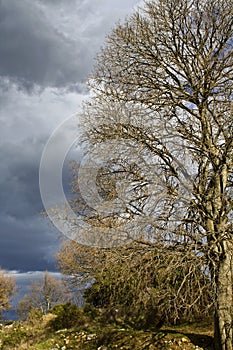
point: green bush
(68, 316)
(91, 311)
(34, 317)
(15, 336)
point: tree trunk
(223, 313)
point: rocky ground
(21, 335)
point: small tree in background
(44, 295)
(7, 291)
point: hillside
(85, 332)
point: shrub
(68, 316)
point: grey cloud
(19, 183)
(26, 243)
(33, 51)
(53, 43)
(46, 51)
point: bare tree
(44, 294)
(78, 264)
(163, 86)
(146, 283)
(7, 291)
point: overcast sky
(47, 48)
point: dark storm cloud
(26, 240)
(19, 180)
(47, 48)
(26, 244)
(33, 50)
(52, 43)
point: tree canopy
(160, 121)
